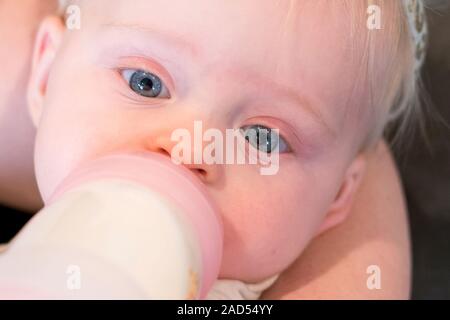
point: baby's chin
(262, 250)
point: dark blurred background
(425, 170)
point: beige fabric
(225, 289)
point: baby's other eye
(145, 83)
(264, 139)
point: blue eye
(145, 83)
(264, 139)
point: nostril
(201, 172)
(163, 151)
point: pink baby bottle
(126, 226)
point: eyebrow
(181, 43)
(291, 94)
(178, 41)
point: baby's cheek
(267, 225)
(75, 127)
(61, 146)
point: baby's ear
(47, 42)
(343, 202)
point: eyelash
(281, 143)
(145, 64)
(137, 79)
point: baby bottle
(125, 226)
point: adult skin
(18, 23)
(334, 266)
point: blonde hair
(398, 104)
(387, 66)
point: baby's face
(229, 64)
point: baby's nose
(207, 173)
